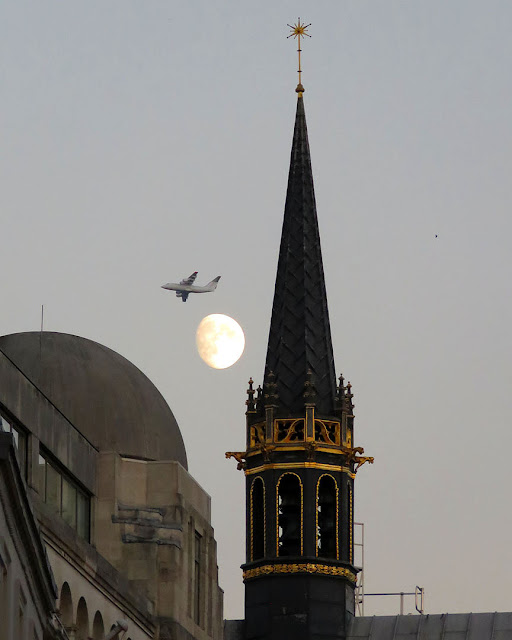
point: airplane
(186, 286)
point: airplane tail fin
(213, 284)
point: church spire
(300, 460)
(300, 337)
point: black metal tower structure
(300, 461)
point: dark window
(41, 476)
(257, 519)
(197, 578)
(53, 487)
(69, 502)
(64, 495)
(83, 515)
(290, 516)
(327, 517)
(20, 441)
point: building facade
(27, 588)
(123, 527)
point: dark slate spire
(300, 335)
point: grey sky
(145, 140)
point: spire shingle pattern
(300, 336)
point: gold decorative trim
(264, 518)
(328, 475)
(257, 435)
(328, 431)
(309, 567)
(348, 441)
(299, 30)
(293, 430)
(301, 512)
(325, 448)
(289, 430)
(299, 465)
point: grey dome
(111, 402)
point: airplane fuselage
(186, 287)
(190, 288)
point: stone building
(101, 519)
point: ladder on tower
(359, 562)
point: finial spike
(299, 30)
(250, 397)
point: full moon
(220, 340)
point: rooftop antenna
(419, 598)
(299, 30)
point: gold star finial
(299, 30)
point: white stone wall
(95, 603)
(20, 617)
(146, 518)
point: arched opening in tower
(327, 509)
(289, 515)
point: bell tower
(300, 461)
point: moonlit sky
(142, 141)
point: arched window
(327, 517)
(289, 515)
(257, 519)
(98, 629)
(66, 606)
(82, 621)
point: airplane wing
(190, 279)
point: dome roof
(111, 402)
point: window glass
(83, 514)
(20, 439)
(20, 442)
(59, 491)
(69, 502)
(53, 487)
(197, 578)
(41, 477)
